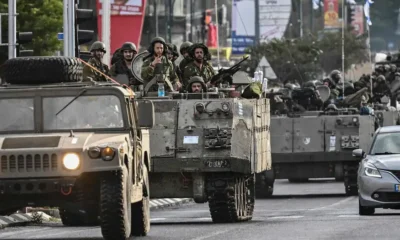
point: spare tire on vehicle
(42, 70)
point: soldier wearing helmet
(97, 51)
(158, 52)
(172, 55)
(124, 65)
(184, 50)
(199, 66)
(196, 85)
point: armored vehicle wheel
(233, 201)
(141, 210)
(115, 205)
(42, 70)
(350, 179)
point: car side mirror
(146, 113)
(358, 153)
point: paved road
(333, 216)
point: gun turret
(225, 75)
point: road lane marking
(286, 217)
(333, 204)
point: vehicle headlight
(225, 107)
(371, 171)
(355, 119)
(71, 161)
(108, 153)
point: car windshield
(386, 143)
(85, 112)
(17, 114)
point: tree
(44, 18)
(306, 58)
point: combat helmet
(154, 41)
(98, 46)
(128, 46)
(193, 80)
(173, 49)
(185, 46)
(207, 55)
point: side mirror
(358, 153)
(146, 113)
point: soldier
(172, 55)
(97, 50)
(200, 66)
(124, 65)
(196, 85)
(157, 55)
(184, 50)
(329, 82)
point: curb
(168, 202)
(16, 219)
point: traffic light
(350, 13)
(23, 38)
(82, 36)
(222, 12)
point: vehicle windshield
(17, 114)
(85, 112)
(386, 143)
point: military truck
(208, 147)
(79, 146)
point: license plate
(397, 187)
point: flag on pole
(366, 11)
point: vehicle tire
(234, 202)
(115, 205)
(141, 210)
(42, 70)
(365, 211)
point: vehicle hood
(62, 140)
(389, 162)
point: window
(17, 114)
(386, 143)
(85, 112)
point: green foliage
(44, 18)
(306, 58)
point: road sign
(60, 36)
(266, 67)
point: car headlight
(71, 161)
(371, 171)
(108, 153)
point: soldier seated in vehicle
(196, 85)
(157, 55)
(98, 49)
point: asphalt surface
(314, 210)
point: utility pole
(311, 16)
(166, 19)
(105, 29)
(217, 32)
(343, 26)
(170, 20)
(69, 28)
(257, 21)
(191, 20)
(12, 29)
(301, 18)
(155, 4)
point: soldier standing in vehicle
(200, 66)
(196, 85)
(158, 51)
(184, 50)
(172, 55)
(124, 65)
(97, 50)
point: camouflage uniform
(119, 67)
(147, 73)
(184, 47)
(191, 69)
(96, 63)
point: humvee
(79, 146)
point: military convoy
(79, 146)
(208, 147)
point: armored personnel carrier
(317, 144)
(208, 147)
(79, 146)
